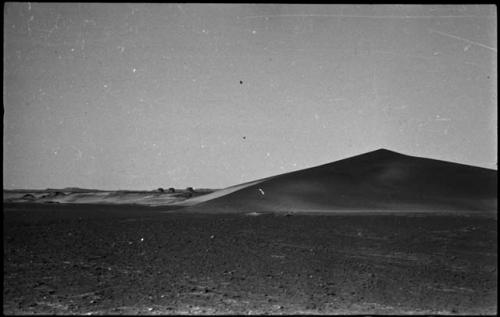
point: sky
(141, 96)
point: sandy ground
(95, 259)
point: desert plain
(329, 240)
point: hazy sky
(140, 96)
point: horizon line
(218, 187)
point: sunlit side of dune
(99, 197)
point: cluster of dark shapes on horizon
(188, 192)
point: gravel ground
(96, 259)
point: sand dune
(152, 198)
(378, 180)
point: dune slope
(378, 180)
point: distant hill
(378, 180)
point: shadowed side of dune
(378, 180)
